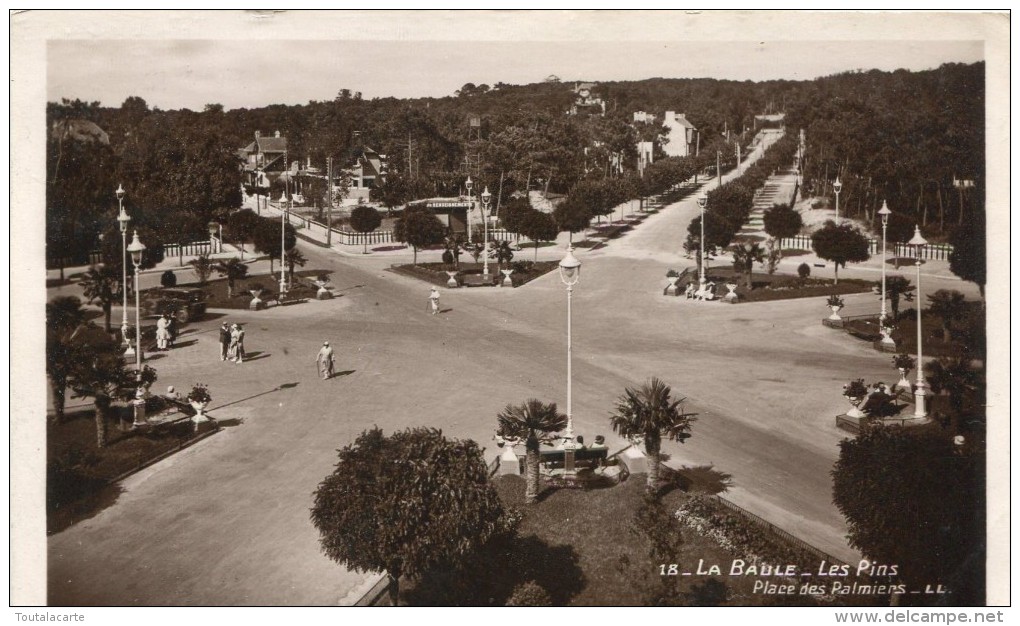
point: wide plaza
(226, 521)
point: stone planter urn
(835, 312)
(200, 408)
(671, 289)
(322, 293)
(506, 278)
(855, 403)
(732, 295)
(452, 282)
(256, 304)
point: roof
(683, 121)
(80, 130)
(272, 144)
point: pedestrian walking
(240, 343)
(236, 353)
(172, 328)
(224, 341)
(434, 301)
(162, 335)
(324, 361)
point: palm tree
(896, 286)
(949, 306)
(97, 371)
(102, 284)
(294, 257)
(532, 421)
(234, 270)
(63, 315)
(955, 377)
(649, 413)
(745, 256)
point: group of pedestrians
(231, 342)
(166, 331)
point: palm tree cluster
(647, 413)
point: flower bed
(783, 286)
(738, 535)
(435, 273)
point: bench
(589, 456)
(285, 299)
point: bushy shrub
(529, 594)
(522, 267)
(168, 279)
(803, 270)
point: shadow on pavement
(255, 356)
(343, 373)
(82, 509)
(446, 310)
(230, 423)
(699, 479)
(284, 386)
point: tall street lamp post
(486, 198)
(469, 185)
(570, 272)
(122, 220)
(919, 392)
(136, 249)
(882, 324)
(283, 237)
(702, 203)
(837, 186)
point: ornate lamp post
(837, 186)
(283, 235)
(883, 326)
(919, 393)
(570, 272)
(702, 203)
(136, 249)
(469, 185)
(486, 198)
(122, 219)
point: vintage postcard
(510, 308)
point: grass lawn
(78, 472)
(583, 548)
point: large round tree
(365, 219)
(915, 499)
(418, 228)
(405, 503)
(840, 244)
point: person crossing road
(324, 361)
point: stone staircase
(777, 190)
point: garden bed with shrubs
(77, 471)
(585, 547)
(435, 273)
(778, 286)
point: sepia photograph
(505, 308)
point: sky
(194, 58)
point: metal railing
(931, 251)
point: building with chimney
(682, 135)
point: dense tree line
(899, 136)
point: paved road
(226, 521)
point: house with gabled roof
(268, 154)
